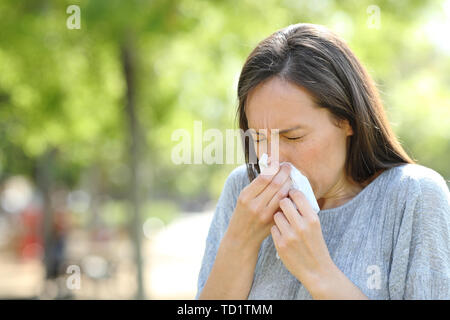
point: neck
(340, 194)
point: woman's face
(320, 151)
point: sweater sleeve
(421, 257)
(221, 217)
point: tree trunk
(128, 63)
(44, 178)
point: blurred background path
(172, 258)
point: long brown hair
(317, 59)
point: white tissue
(299, 182)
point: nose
(273, 148)
(274, 157)
(276, 153)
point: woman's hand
(299, 241)
(253, 216)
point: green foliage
(65, 88)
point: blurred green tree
(65, 95)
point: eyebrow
(286, 130)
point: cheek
(329, 159)
(312, 157)
(311, 152)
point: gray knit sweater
(392, 240)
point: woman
(383, 229)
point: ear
(347, 127)
(343, 124)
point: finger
(275, 185)
(272, 168)
(282, 223)
(281, 194)
(290, 212)
(258, 185)
(276, 234)
(302, 204)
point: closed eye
(296, 138)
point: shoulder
(421, 190)
(410, 185)
(421, 254)
(422, 179)
(237, 179)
